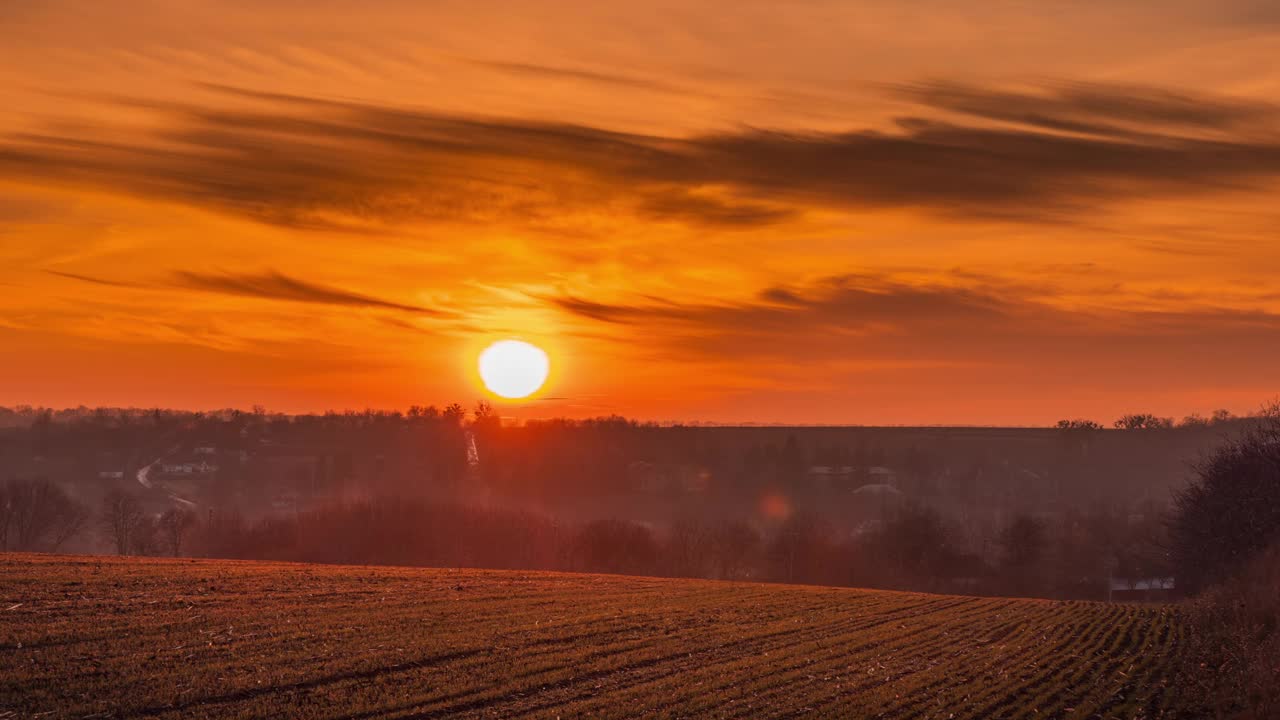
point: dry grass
(106, 637)
(1234, 650)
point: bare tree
(72, 519)
(1079, 424)
(736, 546)
(914, 549)
(454, 414)
(6, 515)
(1024, 542)
(174, 526)
(803, 550)
(689, 549)
(615, 546)
(121, 518)
(485, 415)
(1143, 421)
(37, 515)
(147, 537)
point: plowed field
(121, 638)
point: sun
(513, 369)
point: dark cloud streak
(318, 164)
(871, 318)
(848, 302)
(89, 279)
(1125, 112)
(269, 285)
(276, 286)
(592, 76)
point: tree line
(914, 550)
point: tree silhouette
(1231, 512)
(121, 519)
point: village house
(1153, 589)
(189, 465)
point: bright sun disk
(513, 369)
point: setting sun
(513, 369)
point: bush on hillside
(1232, 510)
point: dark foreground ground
(118, 638)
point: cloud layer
(992, 328)
(1035, 156)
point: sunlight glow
(513, 369)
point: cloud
(894, 323)
(89, 279)
(315, 164)
(275, 286)
(578, 74)
(711, 210)
(845, 304)
(269, 285)
(1129, 112)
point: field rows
(98, 637)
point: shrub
(1232, 510)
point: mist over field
(1075, 511)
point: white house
(881, 476)
(197, 467)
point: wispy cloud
(276, 286)
(842, 304)
(89, 279)
(579, 74)
(1131, 113)
(897, 323)
(268, 285)
(1036, 157)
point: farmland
(109, 637)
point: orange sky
(878, 212)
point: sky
(936, 212)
